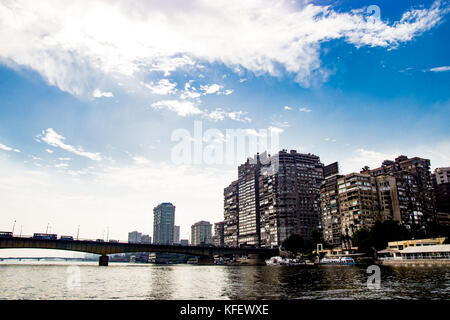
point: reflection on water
(48, 280)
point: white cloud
(66, 44)
(239, 116)
(163, 87)
(56, 140)
(182, 108)
(303, 109)
(189, 92)
(6, 148)
(49, 151)
(211, 89)
(440, 69)
(100, 94)
(330, 139)
(287, 108)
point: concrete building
(414, 191)
(134, 237)
(145, 238)
(442, 175)
(176, 234)
(184, 242)
(441, 186)
(277, 196)
(329, 204)
(163, 223)
(248, 195)
(289, 196)
(358, 202)
(218, 238)
(231, 214)
(201, 233)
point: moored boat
(341, 261)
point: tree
(316, 237)
(294, 243)
(379, 236)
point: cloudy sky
(91, 93)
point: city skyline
(87, 111)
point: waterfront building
(358, 202)
(184, 242)
(402, 244)
(145, 238)
(442, 175)
(441, 186)
(231, 215)
(201, 233)
(176, 234)
(329, 203)
(248, 195)
(163, 223)
(134, 237)
(218, 238)
(413, 188)
(277, 196)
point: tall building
(277, 196)
(231, 214)
(248, 195)
(218, 238)
(442, 175)
(441, 186)
(146, 238)
(414, 190)
(289, 196)
(176, 234)
(201, 233)
(358, 202)
(163, 223)
(329, 203)
(134, 237)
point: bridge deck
(104, 248)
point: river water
(86, 280)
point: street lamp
(14, 224)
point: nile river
(86, 280)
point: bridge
(105, 248)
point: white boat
(279, 261)
(346, 261)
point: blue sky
(91, 93)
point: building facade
(414, 190)
(176, 234)
(441, 186)
(201, 233)
(219, 239)
(358, 203)
(231, 215)
(329, 204)
(163, 223)
(277, 196)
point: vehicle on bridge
(113, 241)
(6, 234)
(45, 236)
(99, 240)
(66, 238)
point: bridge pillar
(103, 261)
